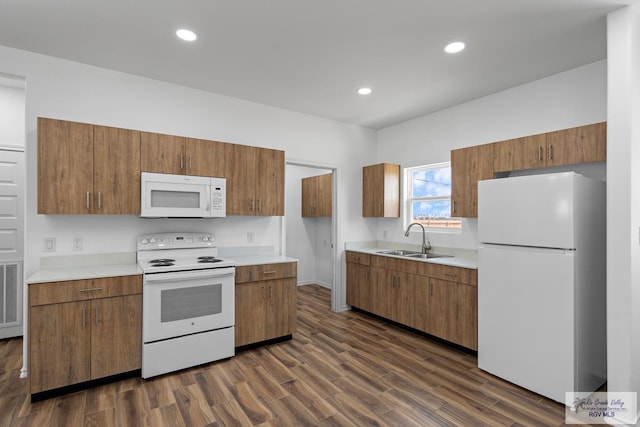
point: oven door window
(190, 303)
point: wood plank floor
(341, 369)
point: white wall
(308, 239)
(564, 100)
(12, 109)
(623, 202)
(67, 90)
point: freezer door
(536, 210)
(526, 317)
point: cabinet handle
(260, 205)
(454, 205)
(88, 205)
(97, 313)
(539, 153)
(430, 289)
(550, 152)
(451, 274)
(253, 204)
(190, 168)
(90, 290)
(264, 293)
(270, 291)
(99, 199)
(269, 272)
(84, 317)
(181, 161)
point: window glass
(429, 196)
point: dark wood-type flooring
(341, 369)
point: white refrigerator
(541, 282)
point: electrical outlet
(250, 237)
(50, 244)
(77, 243)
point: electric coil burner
(188, 302)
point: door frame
(337, 284)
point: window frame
(453, 224)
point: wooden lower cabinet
(438, 299)
(453, 312)
(90, 330)
(265, 302)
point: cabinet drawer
(447, 272)
(254, 273)
(358, 258)
(78, 290)
(397, 264)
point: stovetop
(169, 252)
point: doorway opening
(311, 236)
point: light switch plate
(50, 244)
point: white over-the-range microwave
(182, 196)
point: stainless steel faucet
(426, 244)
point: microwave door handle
(209, 200)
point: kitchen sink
(399, 252)
(413, 254)
(426, 256)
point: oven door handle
(187, 275)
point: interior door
(11, 241)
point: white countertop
(245, 260)
(59, 268)
(93, 266)
(466, 258)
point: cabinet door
(415, 294)
(250, 311)
(359, 285)
(468, 166)
(381, 190)
(269, 184)
(204, 158)
(59, 345)
(116, 155)
(577, 145)
(372, 203)
(310, 196)
(453, 312)
(281, 312)
(520, 153)
(240, 171)
(325, 192)
(65, 167)
(162, 153)
(116, 335)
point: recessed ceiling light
(364, 91)
(454, 47)
(186, 35)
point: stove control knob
(145, 241)
(152, 240)
(205, 238)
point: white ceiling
(311, 56)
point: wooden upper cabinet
(317, 195)
(162, 153)
(65, 167)
(116, 167)
(577, 145)
(255, 180)
(519, 153)
(468, 166)
(84, 169)
(204, 158)
(381, 190)
(270, 182)
(581, 144)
